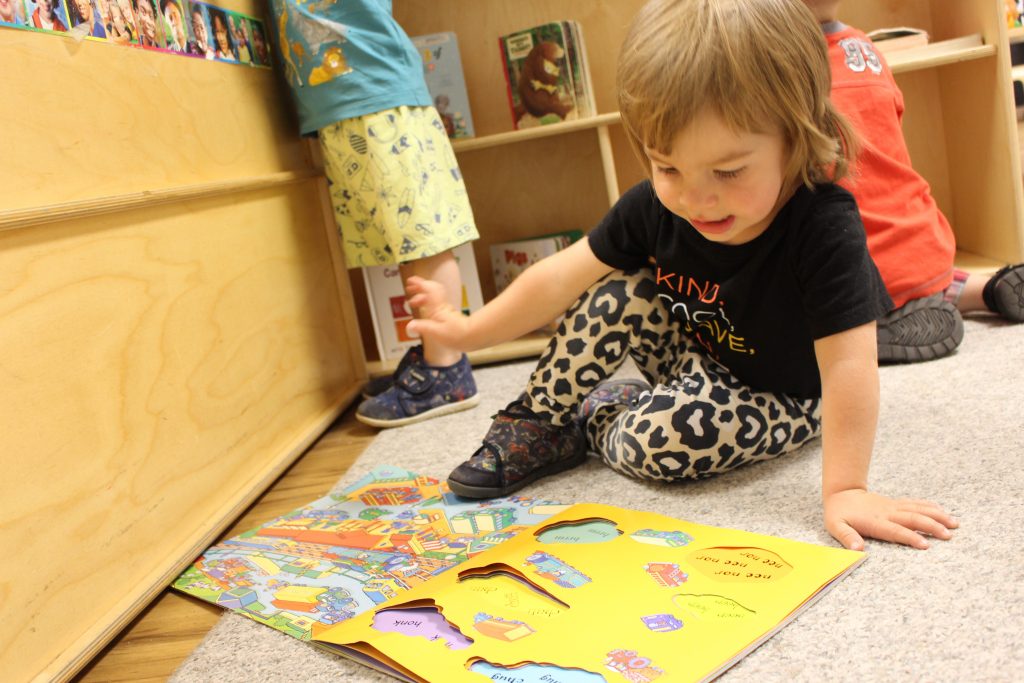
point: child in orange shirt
(908, 236)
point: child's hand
(436, 317)
(852, 514)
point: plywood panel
(160, 367)
(91, 119)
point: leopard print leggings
(698, 420)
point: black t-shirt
(756, 307)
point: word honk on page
(425, 622)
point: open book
(589, 593)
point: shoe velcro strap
(415, 380)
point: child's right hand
(437, 318)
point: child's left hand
(852, 514)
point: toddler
(395, 185)
(737, 277)
(908, 236)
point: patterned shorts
(396, 188)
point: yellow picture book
(595, 593)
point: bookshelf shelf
(1016, 35)
(483, 142)
(944, 52)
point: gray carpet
(950, 430)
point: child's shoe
(922, 329)
(620, 391)
(1004, 293)
(419, 393)
(378, 385)
(519, 448)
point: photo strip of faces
(194, 29)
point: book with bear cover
(547, 78)
(442, 70)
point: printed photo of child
(260, 49)
(199, 32)
(12, 12)
(47, 15)
(222, 41)
(173, 17)
(85, 12)
(241, 38)
(151, 33)
(123, 29)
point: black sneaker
(922, 329)
(378, 385)
(519, 448)
(1004, 293)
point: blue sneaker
(421, 392)
(378, 385)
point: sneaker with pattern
(421, 392)
(519, 448)
(378, 385)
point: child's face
(177, 22)
(199, 29)
(726, 184)
(220, 32)
(147, 19)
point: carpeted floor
(950, 430)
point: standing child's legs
(399, 198)
(697, 419)
(444, 269)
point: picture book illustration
(191, 29)
(595, 593)
(350, 551)
(546, 74)
(442, 70)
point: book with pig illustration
(595, 593)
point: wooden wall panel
(175, 320)
(159, 367)
(91, 119)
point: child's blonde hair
(760, 65)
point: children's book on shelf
(442, 70)
(399, 574)
(510, 259)
(390, 312)
(546, 74)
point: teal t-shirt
(344, 59)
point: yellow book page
(598, 593)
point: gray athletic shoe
(922, 329)
(1004, 293)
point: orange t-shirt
(908, 237)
